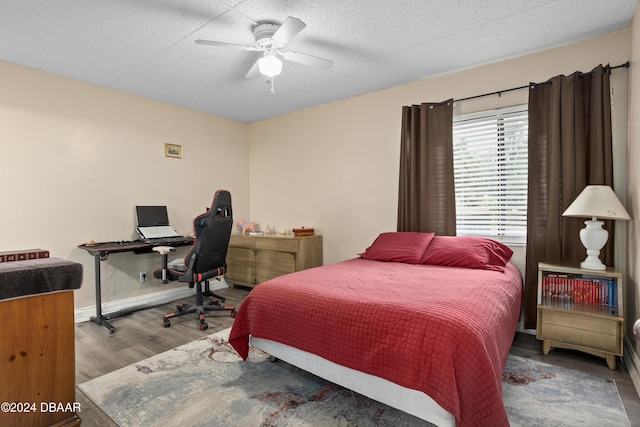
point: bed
(422, 323)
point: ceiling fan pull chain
(273, 80)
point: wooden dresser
(252, 260)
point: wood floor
(141, 335)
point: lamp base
(593, 263)
(593, 237)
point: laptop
(153, 223)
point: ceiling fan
(270, 39)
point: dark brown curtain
(569, 148)
(426, 199)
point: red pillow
(408, 247)
(469, 252)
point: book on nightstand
(570, 289)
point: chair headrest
(221, 204)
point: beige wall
(76, 158)
(335, 167)
(633, 191)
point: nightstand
(581, 309)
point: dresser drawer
(595, 332)
(241, 265)
(240, 241)
(277, 244)
(270, 264)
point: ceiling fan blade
(253, 72)
(310, 60)
(224, 44)
(288, 30)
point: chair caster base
(200, 308)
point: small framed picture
(173, 150)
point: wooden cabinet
(37, 343)
(582, 310)
(252, 260)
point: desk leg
(99, 319)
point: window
(490, 169)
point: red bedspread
(443, 330)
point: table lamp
(595, 201)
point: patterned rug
(203, 383)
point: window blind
(490, 170)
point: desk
(101, 251)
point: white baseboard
(142, 301)
(632, 362)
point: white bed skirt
(410, 401)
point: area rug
(205, 383)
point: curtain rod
(500, 92)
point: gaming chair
(206, 259)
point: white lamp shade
(270, 65)
(597, 201)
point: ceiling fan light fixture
(270, 65)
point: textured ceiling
(146, 47)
